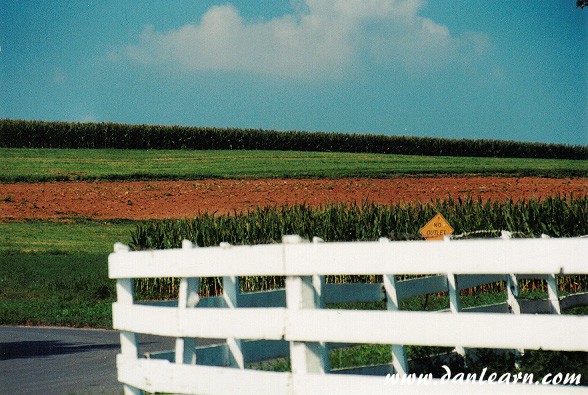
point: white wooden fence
(292, 322)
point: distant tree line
(41, 134)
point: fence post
(512, 285)
(399, 362)
(231, 296)
(129, 345)
(305, 292)
(187, 298)
(552, 293)
(454, 302)
(319, 281)
(512, 291)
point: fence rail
(292, 322)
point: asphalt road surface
(39, 360)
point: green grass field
(56, 273)
(29, 165)
(61, 238)
(61, 290)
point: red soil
(179, 199)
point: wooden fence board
(475, 330)
(161, 376)
(530, 256)
(421, 257)
(257, 260)
(242, 323)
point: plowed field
(180, 199)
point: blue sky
(469, 69)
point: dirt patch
(180, 199)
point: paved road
(39, 360)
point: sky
(499, 69)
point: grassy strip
(56, 273)
(58, 238)
(62, 290)
(37, 165)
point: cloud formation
(319, 38)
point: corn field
(40, 134)
(554, 216)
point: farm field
(90, 199)
(40, 165)
(62, 210)
(139, 200)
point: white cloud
(319, 38)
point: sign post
(436, 229)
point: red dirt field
(181, 199)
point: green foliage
(554, 216)
(38, 134)
(64, 290)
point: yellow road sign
(436, 228)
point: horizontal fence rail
(292, 322)
(493, 256)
